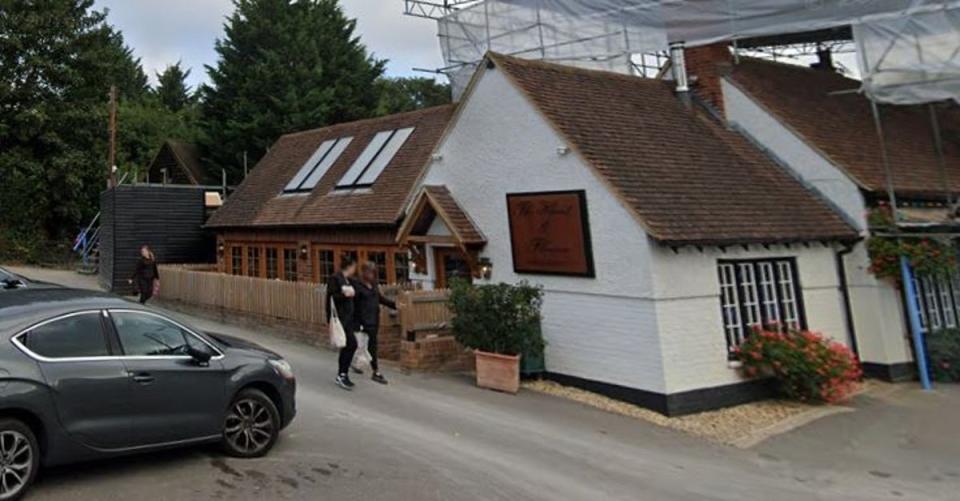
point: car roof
(24, 307)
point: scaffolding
(911, 45)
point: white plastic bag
(338, 337)
(362, 356)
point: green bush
(807, 366)
(499, 318)
(943, 349)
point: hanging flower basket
(928, 256)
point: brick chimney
(705, 66)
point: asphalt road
(439, 438)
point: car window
(144, 335)
(71, 337)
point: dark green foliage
(172, 89)
(499, 318)
(943, 349)
(407, 94)
(283, 66)
(58, 59)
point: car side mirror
(201, 357)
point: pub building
(320, 195)
(661, 236)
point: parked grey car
(85, 375)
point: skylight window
(317, 165)
(374, 159)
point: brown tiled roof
(688, 179)
(840, 125)
(259, 200)
(453, 215)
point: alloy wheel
(16, 463)
(249, 427)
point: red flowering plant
(927, 256)
(807, 366)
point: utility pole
(112, 161)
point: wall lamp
(220, 249)
(304, 251)
(486, 268)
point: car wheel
(19, 459)
(251, 426)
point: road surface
(431, 437)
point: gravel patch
(731, 426)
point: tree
(172, 89)
(58, 59)
(398, 95)
(283, 66)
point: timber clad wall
(167, 218)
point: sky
(162, 32)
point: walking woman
(146, 277)
(341, 289)
(368, 304)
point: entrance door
(450, 264)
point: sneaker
(379, 378)
(344, 382)
(356, 370)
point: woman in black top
(145, 277)
(368, 303)
(341, 289)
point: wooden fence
(301, 302)
(297, 301)
(424, 311)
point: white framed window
(939, 301)
(759, 293)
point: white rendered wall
(602, 329)
(877, 308)
(687, 290)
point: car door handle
(141, 377)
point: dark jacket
(368, 304)
(145, 272)
(345, 305)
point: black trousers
(347, 352)
(371, 331)
(146, 290)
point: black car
(9, 280)
(86, 375)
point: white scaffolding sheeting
(608, 34)
(913, 59)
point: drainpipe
(678, 64)
(845, 294)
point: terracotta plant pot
(498, 372)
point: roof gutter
(844, 287)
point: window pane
(325, 266)
(401, 267)
(380, 260)
(768, 288)
(310, 165)
(386, 155)
(253, 261)
(730, 305)
(71, 337)
(787, 292)
(290, 265)
(273, 264)
(369, 153)
(146, 335)
(236, 260)
(748, 288)
(326, 163)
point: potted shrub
(500, 323)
